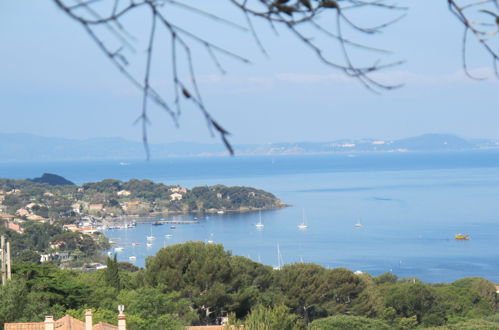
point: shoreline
(157, 216)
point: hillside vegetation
(113, 198)
(197, 283)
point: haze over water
(411, 206)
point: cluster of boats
(149, 243)
(259, 226)
(123, 225)
(302, 226)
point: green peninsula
(40, 201)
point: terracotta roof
(104, 326)
(69, 323)
(65, 323)
(14, 226)
(25, 326)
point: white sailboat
(132, 257)
(280, 261)
(152, 237)
(210, 241)
(358, 224)
(260, 225)
(303, 225)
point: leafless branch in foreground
(481, 20)
(308, 20)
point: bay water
(410, 206)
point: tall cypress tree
(112, 274)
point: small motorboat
(461, 237)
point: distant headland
(28, 148)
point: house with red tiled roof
(6, 216)
(69, 323)
(14, 226)
(22, 212)
(71, 227)
(35, 217)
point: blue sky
(55, 82)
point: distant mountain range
(26, 147)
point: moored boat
(260, 225)
(303, 225)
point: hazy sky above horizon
(55, 82)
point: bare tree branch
(474, 16)
(335, 20)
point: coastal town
(67, 220)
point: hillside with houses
(61, 222)
(40, 201)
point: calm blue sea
(411, 205)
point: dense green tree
(209, 276)
(58, 287)
(13, 301)
(107, 185)
(151, 303)
(314, 292)
(343, 322)
(306, 289)
(469, 297)
(272, 318)
(112, 273)
(417, 299)
(385, 278)
(26, 256)
(89, 244)
(485, 290)
(471, 324)
(350, 294)
(37, 236)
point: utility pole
(9, 269)
(4, 260)
(6, 270)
